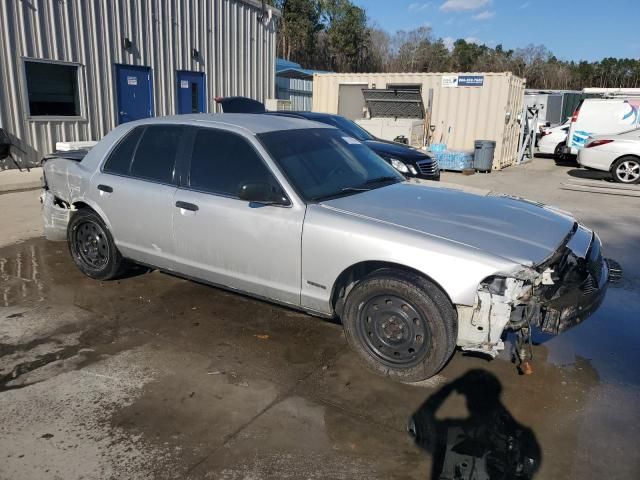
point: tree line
(336, 35)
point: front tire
(626, 170)
(400, 324)
(92, 247)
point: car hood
(394, 149)
(508, 227)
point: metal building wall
(489, 112)
(298, 90)
(235, 39)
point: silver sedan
(299, 213)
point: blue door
(134, 93)
(190, 92)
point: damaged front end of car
(553, 296)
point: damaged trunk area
(56, 211)
(55, 216)
(552, 297)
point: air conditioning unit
(277, 104)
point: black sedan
(410, 161)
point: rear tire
(92, 247)
(400, 324)
(560, 156)
(626, 170)
(557, 152)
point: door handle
(105, 188)
(187, 206)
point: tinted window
(120, 159)
(52, 89)
(325, 162)
(221, 162)
(156, 153)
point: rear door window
(221, 162)
(156, 153)
(119, 161)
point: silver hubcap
(628, 171)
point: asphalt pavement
(152, 376)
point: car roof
(254, 123)
(305, 114)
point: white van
(597, 116)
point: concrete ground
(157, 377)
(14, 179)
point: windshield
(347, 126)
(324, 163)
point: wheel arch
(615, 160)
(351, 275)
(86, 203)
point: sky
(571, 29)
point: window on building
(221, 162)
(156, 153)
(52, 89)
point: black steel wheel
(92, 247)
(91, 244)
(400, 324)
(393, 330)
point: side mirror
(263, 193)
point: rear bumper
(594, 158)
(55, 217)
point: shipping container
(459, 107)
(72, 70)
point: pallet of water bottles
(450, 159)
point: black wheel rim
(393, 331)
(91, 245)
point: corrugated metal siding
(237, 53)
(461, 115)
(298, 90)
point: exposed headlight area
(496, 299)
(552, 297)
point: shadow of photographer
(488, 444)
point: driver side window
(221, 162)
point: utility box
(394, 113)
(458, 107)
(554, 106)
